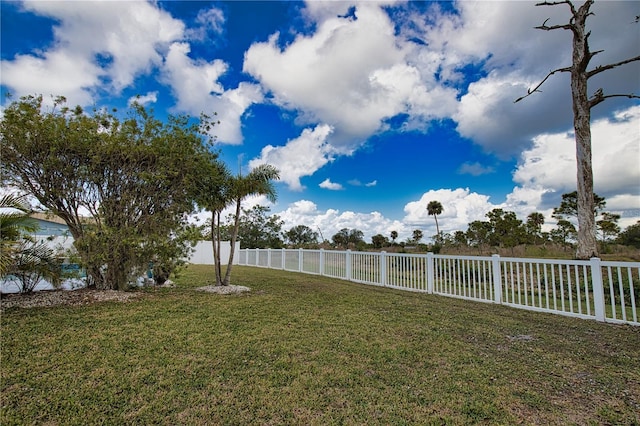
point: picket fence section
(589, 289)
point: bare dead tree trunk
(582, 104)
(587, 245)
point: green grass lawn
(310, 350)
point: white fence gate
(590, 289)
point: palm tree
(394, 235)
(258, 182)
(14, 223)
(34, 262)
(434, 208)
(20, 255)
(215, 195)
(220, 198)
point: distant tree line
(502, 229)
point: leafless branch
(535, 89)
(592, 54)
(601, 68)
(553, 27)
(553, 3)
(599, 97)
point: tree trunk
(95, 278)
(587, 246)
(215, 243)
(234, 237)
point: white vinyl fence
(589, 289)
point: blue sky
(369, 109)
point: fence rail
(590, 289)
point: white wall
(203, 253)
(56, 242)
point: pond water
(11, 284)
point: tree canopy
(256, 229)
(122, 186)
(347, 238)
(301, 236)
(568, 208)
(631, 236)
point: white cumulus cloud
(351, 73)
(210, 22)
(298, 157)
(149, 98)
(196, 87)
(103, 47)
(498, 39)
(460, 207)
(548, 169)
(327, 184)
(96, 47)
(329, 222)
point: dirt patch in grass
(224, 289)
(64, 297)
(47, 298)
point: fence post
(300, 255)
(348, 264)
(598, 288)
(383, 268)
(430, 275)
(257, 257)
(321, 261)
(269, 258)
(497, 278)
(284, 253)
